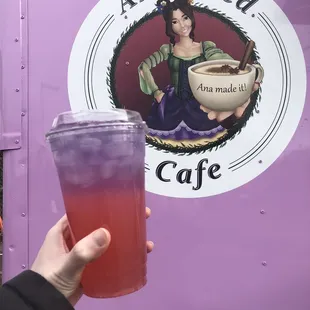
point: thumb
(88, 249)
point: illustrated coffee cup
(219, 86)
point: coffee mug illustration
(220, 86)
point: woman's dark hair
(167, 11)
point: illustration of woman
(175, 114)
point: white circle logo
(216, 122)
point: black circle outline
(285, 96)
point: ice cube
(90, 144)
(90, 150)
(65, 157)
(118, 150)
(109, 168)
(62, 142)
(91, 158)
(81, 176)
(129, 167)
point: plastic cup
(99, 156)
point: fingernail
(100, 237)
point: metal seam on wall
(15, 255)
(24, 98)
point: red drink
(120, 267)
(101, 172)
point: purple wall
(210, 252)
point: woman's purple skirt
(178, 119)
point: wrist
(157, 92)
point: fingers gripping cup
(99, 157)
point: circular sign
(213, 126)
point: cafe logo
(220, 85)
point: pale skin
(186, 47)
(62, 264)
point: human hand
(62, 264)
(221, 116)
(240, 110)
(160, 97)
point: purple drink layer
(99, 159)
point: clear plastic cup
(99, 156)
